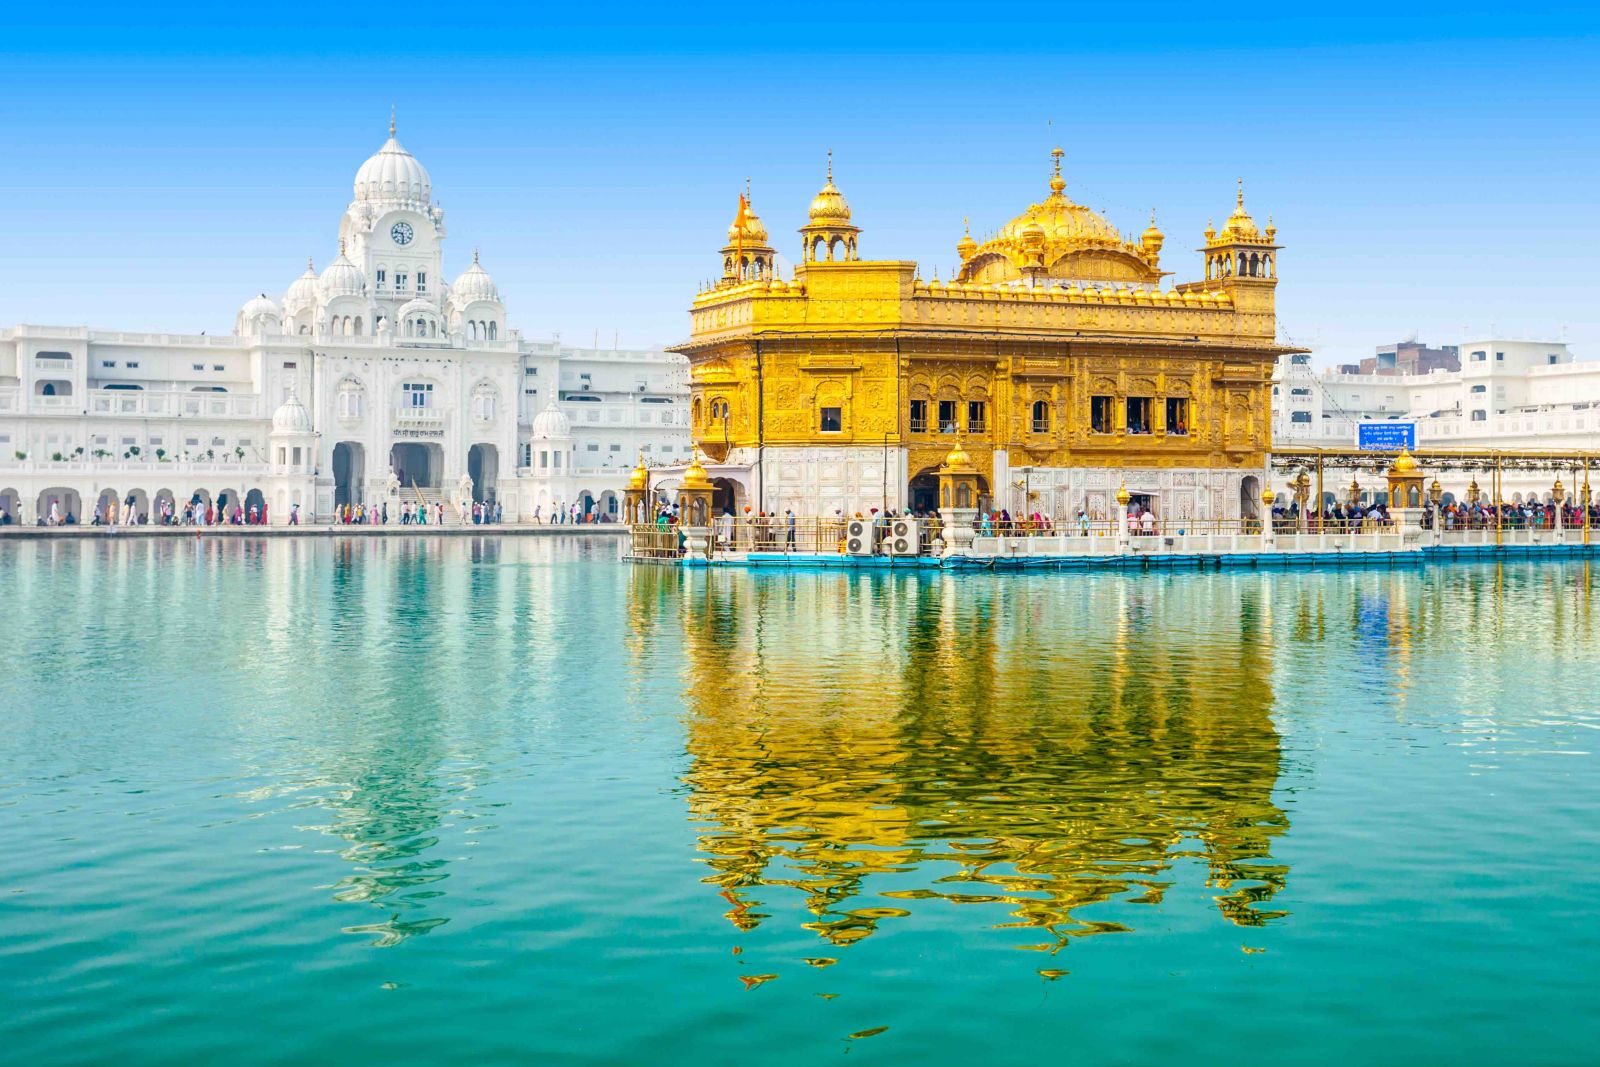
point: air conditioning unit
(904, 537)
(858, 537)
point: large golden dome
(1060, 238)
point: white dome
(551, 422)
(291, 417)
(393, 175)
(259, 305)
(343, 278)
(302, 291)
(474, 284)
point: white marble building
(1508, 394)
(372, 380)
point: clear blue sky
(1431, 168)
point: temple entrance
(254, 501)
(349, 471)
(417, 464)
(10, 507)
(922, 492)
(483, 464)
(1249, 497)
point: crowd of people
(564, 514)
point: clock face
(401, 232)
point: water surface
(505, 800)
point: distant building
(372, 382)
(1503, 394)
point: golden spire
(391, 120)
(1057, 182)
(830, 166)
(1241, 194)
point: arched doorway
(922, 492)
(68, 505)
(141, 507)
(483, 465)
(165, 504)
(10, 507)
(727, 495)
(609, 506)
(585, 506)
(108, 501)
(255, 499)
(349, 471)
(227, 500)
(415, 463)
(1249, 497)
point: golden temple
(1056, 355)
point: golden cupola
(747, 257)
(1058, 238)
(966, 246)
(1240, 250)
(828, 235)
(1151, 240)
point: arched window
(358, 325)
(697, 411)
(483, 402)
(350, 399)
(1041, 416)
(494, 331)
(472, 330)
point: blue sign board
(1386, 436)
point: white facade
(1507, 395)
(372, 381)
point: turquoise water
(493, 801)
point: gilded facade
(1058, 356)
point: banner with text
(1386, 436)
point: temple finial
(391, 120)
(1241, 192)
(1057, 182)
(830, 166)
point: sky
(1431, 168)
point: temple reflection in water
(881, 744)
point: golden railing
(651, 541)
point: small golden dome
(957, 459)
(1152, 238)
(1123, 496)
(830, 205)
(1404, 463)
(641, 475)
(1057, 182)
(1240, 224)
(1268, 497)
(695, 476)
(966, 246)
(755, 231)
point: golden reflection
(882, 745)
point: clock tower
(394, 232)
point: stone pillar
(1123, 539)
(1269, 531)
